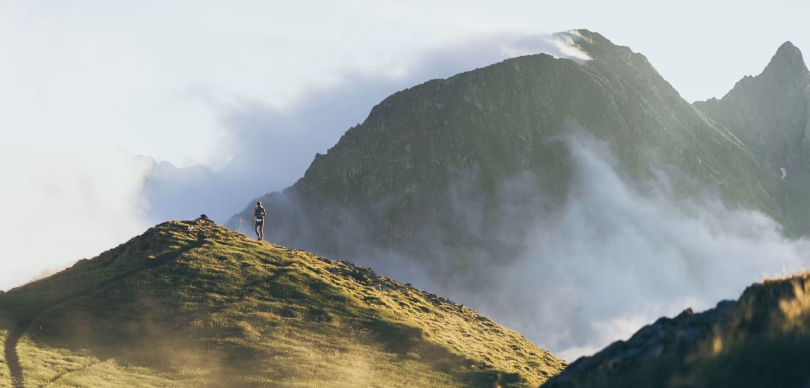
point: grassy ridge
(190, 304)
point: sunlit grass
(761, 341)
(191, 304)
(5, 378)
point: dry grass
(762, 341)
(5, 377)
(191, 304)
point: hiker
(258, 220)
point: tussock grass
(190, 304)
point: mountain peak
(788, 60)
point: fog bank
(621, 253)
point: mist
(618, 254)
(62, 204)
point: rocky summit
(769, 113)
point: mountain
(769, 113)
(453, 172)
(760, 340)
(167, 189)
(178, 193)
(191, 304)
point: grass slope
(190, 304)
(5, 376)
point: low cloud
(559, 45)
(63, 204)
(621, 253)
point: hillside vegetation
(762, 340)
(191, 304)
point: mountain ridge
(193, 304)
(720, 347)
(770, 113)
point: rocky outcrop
(758, 341)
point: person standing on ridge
(258, 220)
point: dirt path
(12, 359)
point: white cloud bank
(618, 256)
(62, 204)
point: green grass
(189, 304)
(5, 377)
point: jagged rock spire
(787, 62)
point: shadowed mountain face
(452, 173)
(761, 340)
(191, 304)
(769, 113)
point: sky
(157, 77)
(87, 85)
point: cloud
(62, 204)
(559, 45)
(619, 254)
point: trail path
(12, 359)
(14, 335)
